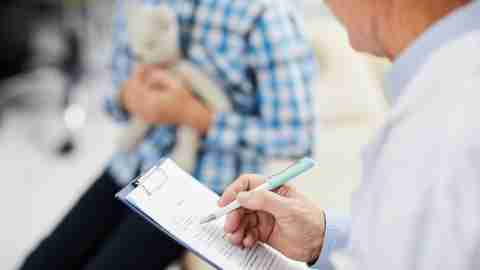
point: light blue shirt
(407, 65)
(404, 70)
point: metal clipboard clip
(152, 184)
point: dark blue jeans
(101, 233)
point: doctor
(419, 204)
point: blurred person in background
(264, 64)
(418, 207)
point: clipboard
(173, 201)
(150, 188)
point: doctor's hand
(284, 219)
(157, 97)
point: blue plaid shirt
(257, 53)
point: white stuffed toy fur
(154, 38)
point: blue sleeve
(121, 64)
(284, 66)
(337, 237)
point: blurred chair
(22, 26)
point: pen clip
(152, 184)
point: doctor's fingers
(265, 201)
(251, 238)
(244, 183)
(247, 224)
(235, 218)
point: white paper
(177, 205)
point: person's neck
(409, 19)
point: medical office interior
(55, 137)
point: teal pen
(272, 183)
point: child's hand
(159, 98)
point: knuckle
(241, 184)
(245, 177)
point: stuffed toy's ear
(153, 34)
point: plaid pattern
(257, 53)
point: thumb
(266, 201)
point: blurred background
(55, 138)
